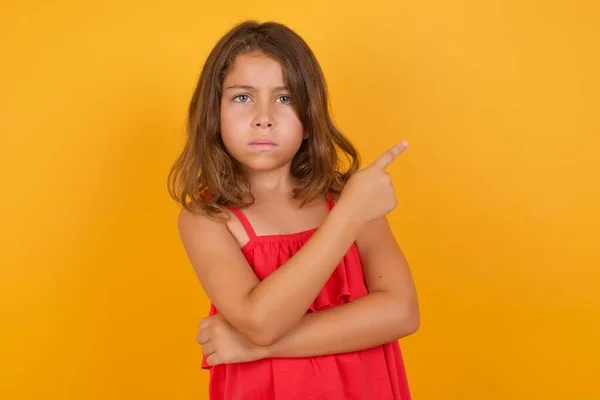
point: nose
(263, 118)
(263, 122)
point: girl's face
(259, 126)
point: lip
(262, 144)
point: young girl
(309, 289)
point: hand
(224, 345)
(369, 193)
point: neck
(278, 181)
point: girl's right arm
(264, 311)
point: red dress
(373, 374)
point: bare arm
(263, 311)
(390, 311)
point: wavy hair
(208, 176)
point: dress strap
(245, 223)
(330, 203)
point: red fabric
(374, 374)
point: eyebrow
(252, 88)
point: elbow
(261, 338)
(409, 321)
(412, 324)
(260, 332)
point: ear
(305, 136)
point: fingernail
(404, 144)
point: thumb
(390, 155)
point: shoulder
(195, 221)
(203, 236)
(195, 218)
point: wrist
(344, 213)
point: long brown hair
(208, 175)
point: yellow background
(499, 191)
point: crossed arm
(272, 313)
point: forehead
(255, 69)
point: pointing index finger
(390, 155)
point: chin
(265, 165)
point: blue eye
(242, 98)
(285, 99)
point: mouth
(262, 144)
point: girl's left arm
(390, 311)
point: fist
(222, 344)
(369, 193)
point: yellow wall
(499, 189)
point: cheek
(233, 127)
(290, 124)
